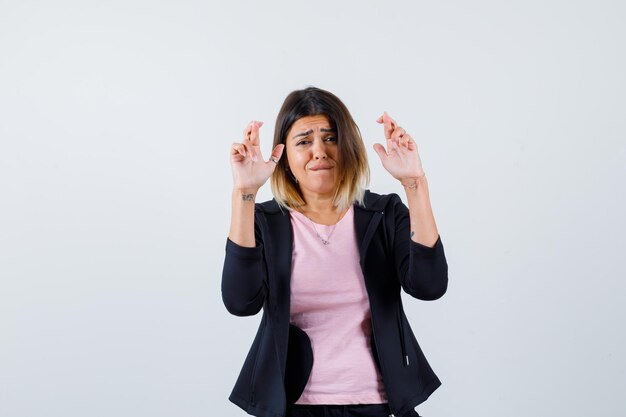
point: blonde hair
(353, 169)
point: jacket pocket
(299, 363)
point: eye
(331, 139)
(303, 142)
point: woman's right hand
(250, 170)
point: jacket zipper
(405, 356)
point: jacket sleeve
(422, 270)
(244, 278)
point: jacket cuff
(244, 252)
(426, 251)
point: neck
(320, 209)
(318, 204)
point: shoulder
(270, 207)
(380, 202)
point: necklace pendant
(325, 242)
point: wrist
(245, 194)
(245, 190)
(412, 183)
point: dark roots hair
(353, 168)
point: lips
(320, 167)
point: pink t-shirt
(329, 302)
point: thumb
(277, 152)
(380, 150)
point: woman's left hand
(401, 158)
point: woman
(326, 261)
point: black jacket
(277, 367)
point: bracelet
(414, 182)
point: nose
(319, 149)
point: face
(312, 155)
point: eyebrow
(308, 132)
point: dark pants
(351, 410)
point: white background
(115, 124)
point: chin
(324, 187)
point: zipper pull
(406, 360)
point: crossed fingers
(396, 135)
(239, 151)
